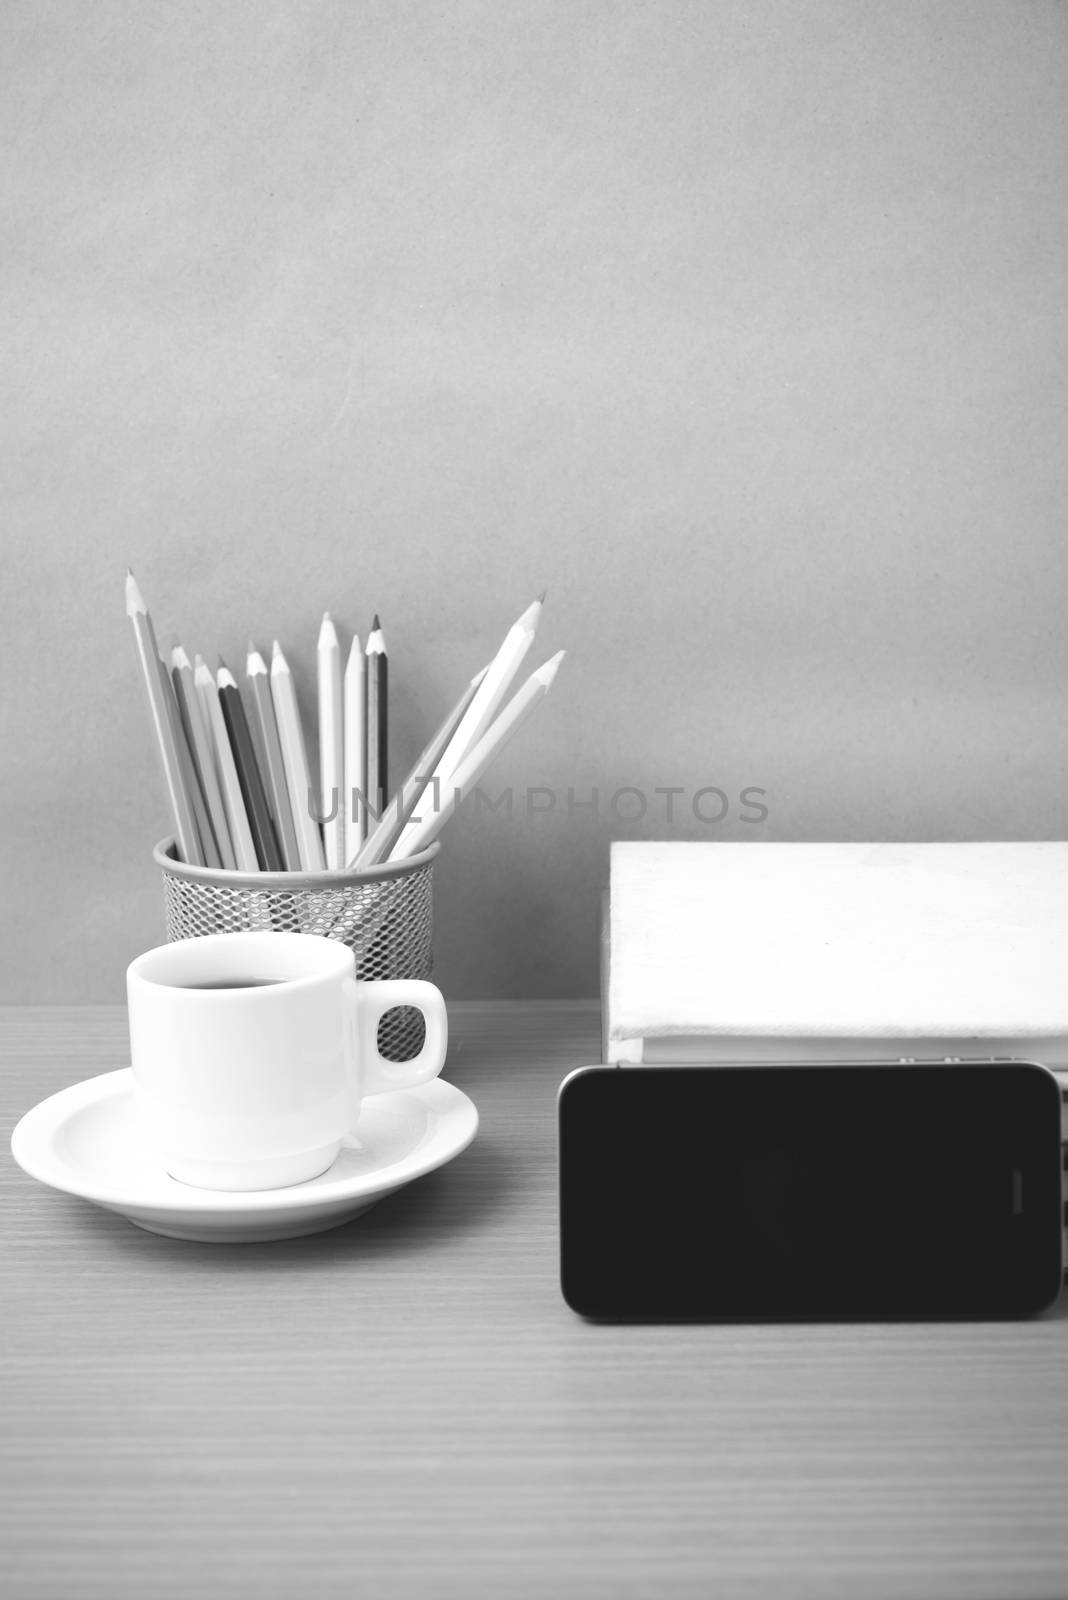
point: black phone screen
(807, 1192)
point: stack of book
(770, 953)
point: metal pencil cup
(384, 915)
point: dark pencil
(248, 773)
(377, 678)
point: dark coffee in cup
(231, 983)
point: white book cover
(772, 952)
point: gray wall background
(741, 327)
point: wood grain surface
(405, 1406)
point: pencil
(225, 769)
(186, 765)
(355, 742)
(248, 773)
(377, 721)
(495, 685)
(467, 774)
(295, 762)
(200, 746)
(185, 828)
(400, 808)
(331, 745)
(274, 772)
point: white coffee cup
(252, 1053)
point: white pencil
(226, 769)
(185, 829)
(200, 743)
(331, 743)
(355, 742)
(492, 690)
(295, 761)
(274, 770)
(463, 780)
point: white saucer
(87, 1141)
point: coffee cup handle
(367, 1005)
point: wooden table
(405, 1406)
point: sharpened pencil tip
(530, 617)
(541, 597)
(134, 599)
(375, 624)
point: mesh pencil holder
(384, 915)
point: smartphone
(810, 1192)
